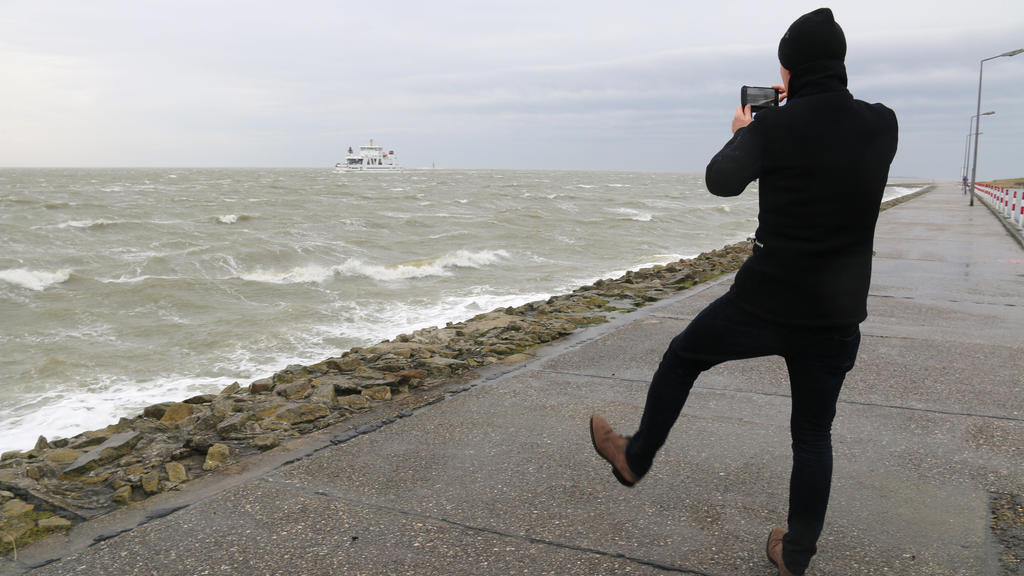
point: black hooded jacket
(822, 161)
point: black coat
(822, 161)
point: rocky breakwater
(74, 479)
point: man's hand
(742, 118)
(782, 92)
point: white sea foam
(86, 223)
(233, 218)
(37, 280)
(892, 192)
(632, 214)
(386, 320)
(136, 279)
(354, 267)
(70, 412)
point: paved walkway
(501, 478)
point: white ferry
(369, 159)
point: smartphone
(758, 97)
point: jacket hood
(817, 78)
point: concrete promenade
(501, 478)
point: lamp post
(967, 147)
(967, 150)
(977, 125)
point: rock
(411, 378)
(216, 457)
(269, 410)
(224, 405)
(342, 385)
(16, 507)
(290, 374)
(90, 439)
(156, 411)
(176, 412)
(275, 426)
(207, 423)
(500, 350)
(5, 496)
(151, 482)
(35, 471)
(199, 443)
(261, 386)
(200, 399)
(123, 495)
(12, 478)
(62, 455)
(135, 470)
(11, 455)
(54, 523)
(265, 441)
(294, 390)
(176, 472)
(113, 448)
(301, 413)
(353, 402)
(404, 349)
(381, 393)
(231, 389)
(344, 364)
(14, 528)
(443, 366)
(490, 321)
(94, 480)
(233, 424)
(324, 394)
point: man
(822, 162)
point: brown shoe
(612, 447)
(774, 551)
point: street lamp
(967, 148)
(977, 125)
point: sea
(122, 288)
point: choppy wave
(897, 191)
(159, 271)
(98, 223)
(631, 214)
(233, 218)
(105, 223)
(373, 322)
(37, 280)
(354, 267)
(67, 414)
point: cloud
(504, 84)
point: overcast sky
(548, 84)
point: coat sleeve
(737, 164)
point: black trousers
(817, 359)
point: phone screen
(758, 97)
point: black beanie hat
(812, 37)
